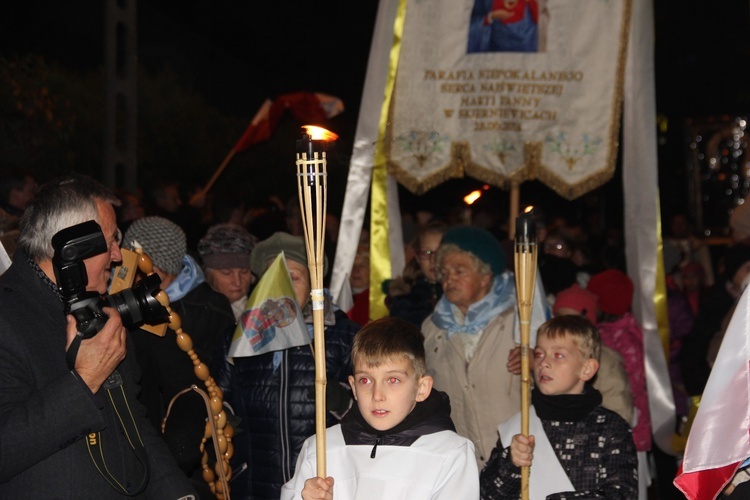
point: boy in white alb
(398, 441)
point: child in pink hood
(620, 330)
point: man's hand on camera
(99, 356)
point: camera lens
(138, 305)
(127, 305)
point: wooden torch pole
(312, 184)
(525, 261)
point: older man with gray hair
(60, 435)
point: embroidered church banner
(509, 90)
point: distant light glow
(319, 133)
(528, 209)
(472, 197)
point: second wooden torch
(312, 185)
(525, 261)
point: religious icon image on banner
(506, 26)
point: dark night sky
(237, 53)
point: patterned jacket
(597, 453)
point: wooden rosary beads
(217, 426)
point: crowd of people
(421, 404)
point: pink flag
(304, 106)
(719, 439)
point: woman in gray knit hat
(225, 251)
(163, 241)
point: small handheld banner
(272, 319)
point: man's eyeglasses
(117, 239)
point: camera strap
(72, 353)
(116, 395)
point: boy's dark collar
(429, 416)
(566, 407)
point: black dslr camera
(136, 305)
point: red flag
(304, 106)
(707, 484)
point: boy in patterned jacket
(578, 448)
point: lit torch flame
(319, 133)
(528, 209)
